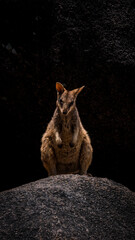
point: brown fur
(66, 146)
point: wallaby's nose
(64, 111)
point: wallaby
(66, 146)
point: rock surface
(68, 207)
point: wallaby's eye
(60, 101)
(71, 103)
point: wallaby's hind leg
(48, 157)
(85, 156)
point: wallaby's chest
(66, 132)
(67, 154)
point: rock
(68, 207)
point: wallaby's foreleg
(58, 139)
(75, 137)
(85, 156)
(47, 157)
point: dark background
(89, 43)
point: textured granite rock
(68, 207)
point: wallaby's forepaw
(71, 144)
(59, 142)
(60, 145)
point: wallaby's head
(66, 100)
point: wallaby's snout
(65, 106)
(64, 112)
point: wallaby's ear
(78, 90)
(59, 87)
